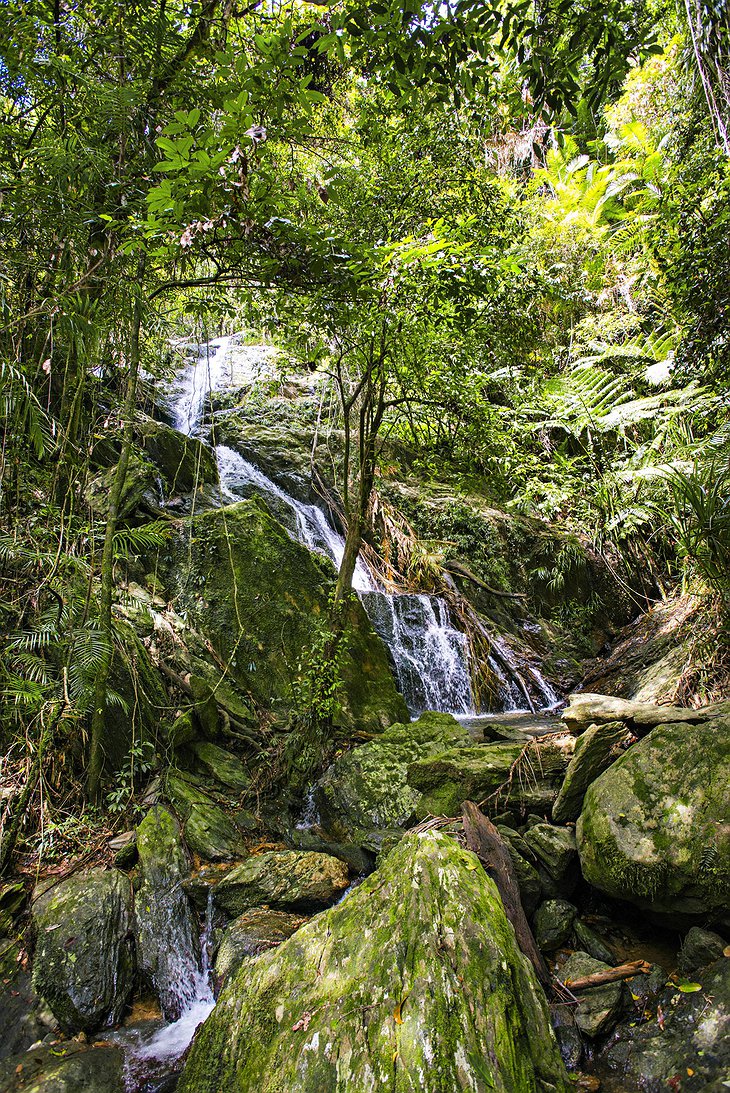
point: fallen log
(610, 975)
(486, 842)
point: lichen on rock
(414, 982)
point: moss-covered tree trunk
(96, 743)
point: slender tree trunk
(96, 743)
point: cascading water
(183, 984)
(430, 656)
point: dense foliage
(500, 231)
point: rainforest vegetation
(485, 246)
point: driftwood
(485, 841)
(452, 566)
(611, 975)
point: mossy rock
(184, 462)
(166, 928)
(415, 981)
(84, 959)
(504, 776)
(553, 924)
(208, 830)
(252, 933)
(64, 1068)
(296, 880)
(140, 478)
(221, 765)
(595, 750)
(555, 848)
(366, 789)
(654, 828)
(262, 600)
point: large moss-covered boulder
(414, 982)
(165, 926)
(183, 461)
(262, 601)
(515, 777)
(595, 750)
(367, 789)
(208, 830)
(300, 880)
(655, 827)
(84, 960)
(64, 1068)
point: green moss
(262, 599)
(414, 981)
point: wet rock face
(655, 827)
(25, 1019)
(64, 1068)
(83, 964)
(284, 879)
(689, 1049)
(165, 925)
(367, 788)
(414, 982)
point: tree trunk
(485, 841)
(96, 744)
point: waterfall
(430, 656)
(183, 984)
(218, 363)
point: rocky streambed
(354, 942)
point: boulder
(367, 788)
(553, 924)
(699, 948)
(414, 981)
(183, 461)
(516, 777)
(584, 710)
(592, 943)
(166, 927)
(556, 850)
(299, 880)
(25, 1018)
(595, 750)
(599, 1007)
(139, 480)
(208, 830)
(252, 933)
(83, 963)
(64, 1068)
(655, 827)
(688, 1049)
(221, 765)
(262, 602)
